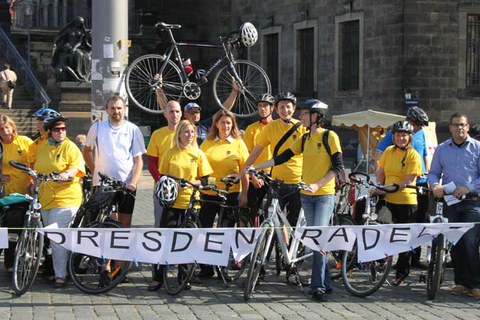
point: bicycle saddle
(162, 26)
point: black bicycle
(154, 79)
(90, 274)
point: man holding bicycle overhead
(257, 188)
(160, 141)
(457, 161)
(318, 171)
(279, 135)
(114, 147)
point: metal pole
(28, 44)
(109, 52)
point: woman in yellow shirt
(185, 160)
(401, 164)
(60, 200)
(226, 152)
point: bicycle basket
(248, 34)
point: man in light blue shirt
(457, 160)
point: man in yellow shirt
(257, 189)
(160, 142)
(291, 171)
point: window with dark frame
(271, 59)
(473, 53)
(349, 50)
(305, 62)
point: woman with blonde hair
(185, 160)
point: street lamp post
(29, 7)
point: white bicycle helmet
(166, 191)
(248, 34)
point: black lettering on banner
(87, 234)
(340, 232)
(115, 237)
(454, 227)
(316, 233)
(147, 236)
(374, 244)
(399, 234)
(207, 241)
(176, 235)
(62, 236)
(239, 233)
(426, 234)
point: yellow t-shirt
(316, 160)
(290, 171)
(36, 145)
(17, 151)
(160, 141)
(226, 157)
(250, 138)
(397, 164)
(190, 164)
(60, 158)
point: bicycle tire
(436, 266)
(335, 257)
(255, 81)
(363, 279)
(141, 82)
(87, 272)
(28, 255)
(279, 260)
(176, 277)
(257, 262)
(235, 269)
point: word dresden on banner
(213, 246)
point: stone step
(23, 119)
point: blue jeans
(465, 255)
(318, 211)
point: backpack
(340, 177)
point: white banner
(377, 241)
(3, 238)
(212, 246)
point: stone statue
(72, 52)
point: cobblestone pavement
(273, 299)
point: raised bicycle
(364, 278)
(29, 249)
(162, 77)
(293, 252)
(90, 274)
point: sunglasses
(193, 112)
(58, 129)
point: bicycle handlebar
(364, 180)
(52, 176)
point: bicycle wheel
(176, 277)
(143, 79)
(234, 270)
(436, 266)
(335, 257)
(257, 262)
(28, 255)
(363, 279)
(88, 272)
(254, 81)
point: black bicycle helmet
(402, 126)
(418, 116)
(266, 97)
(50, 120)
(314, 105)
(285, 96)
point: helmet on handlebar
(404, 126)
(285, 96)
(166, 191)
(248, 34)
(417, 116)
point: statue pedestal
(75, 96)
